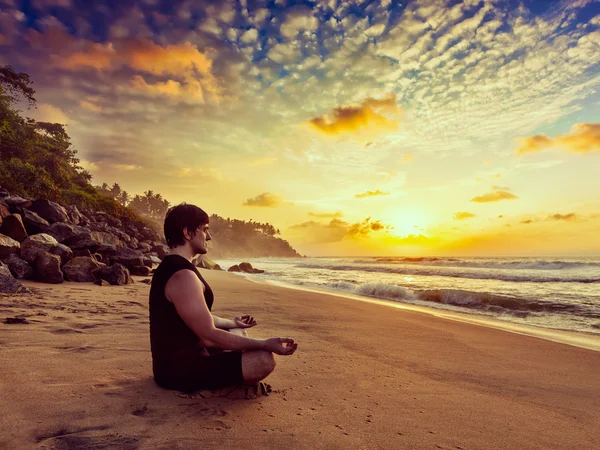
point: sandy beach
(365, 376)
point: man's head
(187, 225)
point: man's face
(200, 241)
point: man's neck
(185, 251)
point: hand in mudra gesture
(281, 346)
(245, 321)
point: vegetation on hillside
(38, 161)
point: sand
(78, 375)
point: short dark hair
(180, 217)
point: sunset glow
(354, 127)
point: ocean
(557, 293)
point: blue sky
(316, 116)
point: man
(192, 348)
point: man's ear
(186, 233)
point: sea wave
(448, 272)
(539, 264)
(472, 300)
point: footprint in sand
(237, 392)
(86, 437)
(65, 331)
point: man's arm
(184, 289)
(223, 324)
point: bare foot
(245, 392)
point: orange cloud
(371, 194)
(336, 230)
(583, 138)
(265, 200)
(566, 217)
(371, 115)
(500, 193)
(463, 215)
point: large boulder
(161, 250)
(13, 227)
(37, 244)
(16, 203)
(129, 258)
(116, 274)
(8, 284)
(63, 231)
(106, 238)
(247, 267)
(74, 215)
(8, 246)
(80, 269)
(142, 271)
(47, 268)
(50, 211)
(4, 209)
(107, 250)
(19, 268)
(82, 242)
(65, 253)
(144, 247)
(205, 263)
(234, 268)
(34, 224)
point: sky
(355, 127)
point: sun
(408, 221)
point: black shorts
(203, 372)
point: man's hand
(281, 346)
(244, 321)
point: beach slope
(78, 375)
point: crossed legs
(256, 364)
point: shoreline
(581, 339)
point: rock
(205, 263)
(4, 210)
(82, 252)
(148, 262)
(65, 253)
(97, 257)
(154, 259)
(144, 247)
(19, 268)
(235, 268)
(82, 242)
(74, 215)
(106, 238)
(146, 281)
(129, 258)
(12, 226)
(142, 271)
(107, 250)
(133, 243)
(34, 224)
(246, 267)
(63, 232)
(80, 269)
(8, 246)
(101, 282)
(47, 268)
(258, 271)
(161, 250)
(37, 244)
(8, 284)
(16, 203)
(148, 233)
(116, 274)
(50, 211)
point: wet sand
(78, 375)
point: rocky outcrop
(8, 284)
(205, 263)
(47, 268)
(50, 211)
(34, 224)
(81, 269)
(36, 245)
(117, 274)
(234, 268)
(19, 268)
(12, 226)
(64, 231)
(128, 257)
(8, 246)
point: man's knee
(257, 365)
(267, 361)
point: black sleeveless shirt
(172, 342)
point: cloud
(336, 230)
(371, 115)
(300, 19)
(262, 162)
(583, 138)
(334, 215)
(500, 193)
(266, 200)
(566, 217)
(371, 194)
(50, 113)
(463, 215)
